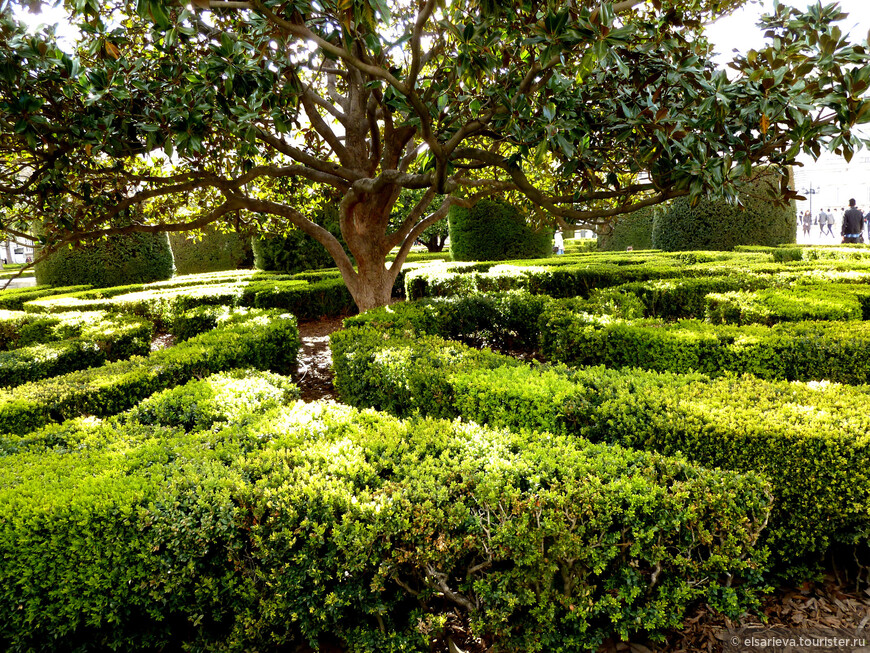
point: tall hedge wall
(117, 261)
(717, 225)
(494, 231)
(630, 230)
(214, 252)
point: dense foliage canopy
(583, 109)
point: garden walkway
(314, 369)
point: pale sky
(735, 31)
(739, 30)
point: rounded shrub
(117, 261)
(214, 252)
(717, 225)
(296, 251)
(494, 231)
(629, 230)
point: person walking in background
(559, 242)
(807, 222)
(826, 219)
(853, 225)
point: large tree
(584, 109)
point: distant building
(834, 182)
(16, 253)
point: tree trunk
(372, 286)
(435, 244)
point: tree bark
(435, 244)
(372, 285)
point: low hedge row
(837, 253)
(810, 439)
(7, 273)
(15, 298)
(579, 275)
(329, 296)
(832, 302)
(556, 281)
(604, 330)
(267, 340)
(21, 329)
(49, 359)
(74, 343)
(87, 298)
(155, 303)
(676, 299)
(236, 397)
(320, 523)
(805, 351)
(501, 319)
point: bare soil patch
(162, 341)
(314, 368)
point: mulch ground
(833, 605)
(830, 607)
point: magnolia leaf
(765, 123)
(112, 50)
(540, 152)
(383, 9)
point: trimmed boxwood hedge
(810, 439)
(21, 329)
(700, 224)
(14, 299)
(805, 351)
(793, 304)
(116, 261)
(266, 340)
(493, 230)
(318, 522)
(573, 276)
(50, 347)
(630, 230)
(161, 302)
(214, 251)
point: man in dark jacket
(853, 225)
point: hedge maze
(680, 428)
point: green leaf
(383, 9)
(540, 152)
